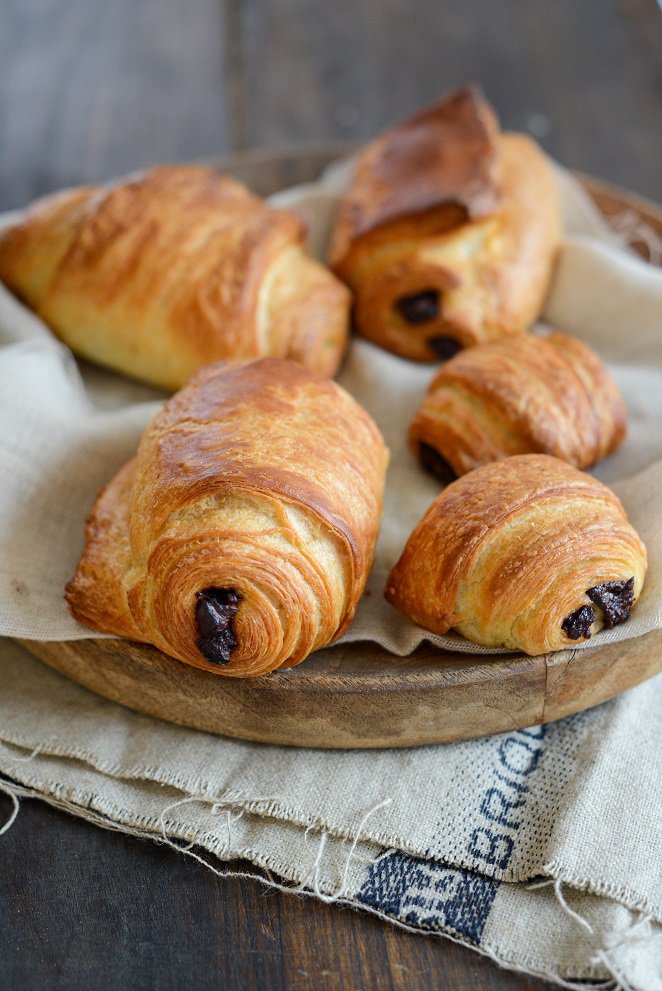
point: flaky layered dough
(241, 536)
(448, 232)
(172, 269)
(527, 553)
(520, 395)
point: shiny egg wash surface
(614, 599)
(215, 609)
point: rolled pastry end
(244, 585)
(527, 554)
(240, 538)
(549, 395)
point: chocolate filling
(437, 465)
(577, 625)
(444, 347)
(421, 307)
(215, 609)
(615, 599)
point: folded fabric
(494, 842)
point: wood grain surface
(355, 696)
(91, 90)
(83, 909)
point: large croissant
(519, 395)
(527, 553)
(172, 269)
(448, 231)
(240, 537)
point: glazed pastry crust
(172, 269)
(508, 551)
(442, 157)
(259, 477)
(521, 395)
(486, 240)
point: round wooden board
(357, 696)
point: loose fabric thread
(14, 797)
(603, 955)
(218, 805)
(492, 953)
(26, 760)
(342, 890)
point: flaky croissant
(528, 553)
(240, 537)
(448, 231)
(518, 395)
(172, 269)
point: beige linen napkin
(540, 847)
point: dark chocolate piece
(577, 625)
(437, 465)
(421, 307)
(214, 611)
(615, 600)
(444, 347)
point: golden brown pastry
(172, 269)
(448, 231)
(527, 553)
(518, 395)
(240, 537)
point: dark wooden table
(91, 89)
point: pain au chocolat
(518, 395)
(240, 537)
(527, 553)
(172, 269)
(448, 231)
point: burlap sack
(540, 847)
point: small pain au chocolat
(240, 537)
(172, 269)
(528, 553)
(518, 395)
(448, 231)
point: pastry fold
(172, 269)
(448, 231)
(519, 395)
(240, 537)
(528, 553)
